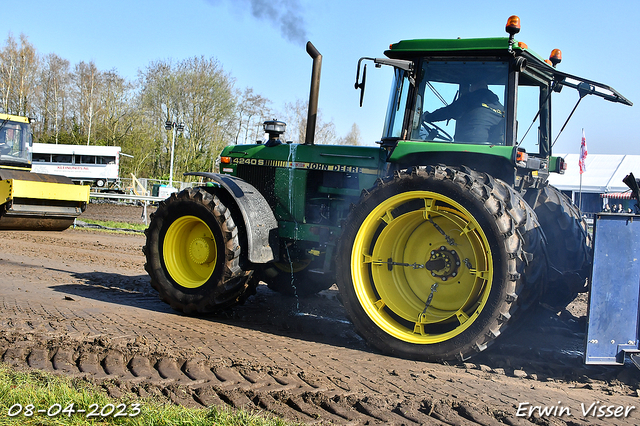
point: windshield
(461, 101)
(15, 141)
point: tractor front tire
(193, 253)
(434, 261)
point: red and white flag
(583, 154)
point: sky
(260, 43)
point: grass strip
(39, 398)
(109, 225)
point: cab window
(461, 102)
(533, 125)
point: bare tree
(18, 74)
(82, 104)
(252, 111)
(296, 119)
(116, 113)
(158, 91)
(54, 90)
(352, 138)
(87, 81)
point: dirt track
(79, 302)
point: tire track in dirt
(299, 359)
(194, 383)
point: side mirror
(361, 85)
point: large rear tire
(193, 253)
(433, 261)
(568, 245)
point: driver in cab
(478, 113)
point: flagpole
(580, 200)
(581, 163)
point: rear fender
(259, 222)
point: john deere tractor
(438, 239)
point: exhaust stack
(313, 93)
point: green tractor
(438, 239)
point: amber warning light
(513, 25)
(521, 157)
(555, 57)
(513, 28)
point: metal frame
(612, 328)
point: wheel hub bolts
(202, 250)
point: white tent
(603, 173)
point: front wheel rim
(190, 251)
(396, 239)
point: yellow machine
(31, 201)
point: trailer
(97, 166)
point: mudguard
(260, 223)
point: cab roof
(9, 117)
(406, 47)
(499, 47)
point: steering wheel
(436, 132)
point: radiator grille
(263, 178)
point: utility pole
(177, 127)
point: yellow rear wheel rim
(190, 251)
(394, 297)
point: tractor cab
(15, 141)
(481, 102)
(451, 100)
